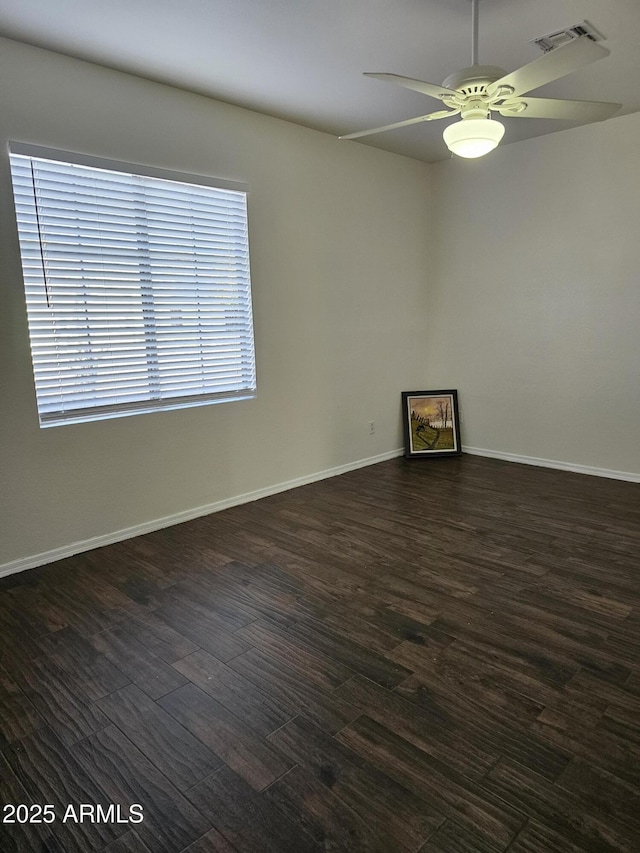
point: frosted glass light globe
(473, 137)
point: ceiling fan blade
(571, 110)
(431, 89)
(406, 123)
(551, 66)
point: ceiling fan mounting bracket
(510, 109)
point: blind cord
(35, 201)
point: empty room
(320, 426)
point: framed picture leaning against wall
(431, 424)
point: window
(137, 287)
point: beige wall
(534, 310)
(339, 247)
(515, 279)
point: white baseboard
(31, 562)
(45, 557)
(554, 463)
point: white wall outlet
(372, 427)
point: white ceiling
(302, 60)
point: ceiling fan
(475, 92)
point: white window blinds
(137, 287)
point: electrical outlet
(372, 427)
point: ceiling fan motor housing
(470, 95)
(475, 79)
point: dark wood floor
(438, 656)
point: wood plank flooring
(438, 656)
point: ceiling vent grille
(557, 39)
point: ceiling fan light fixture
(475, 92)
(473, 137)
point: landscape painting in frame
(431, 423)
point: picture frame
(431, 423)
